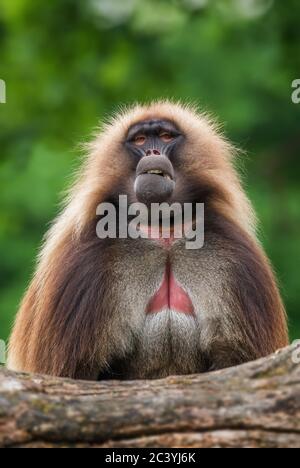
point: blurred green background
(69, 63)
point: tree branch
(253, 405)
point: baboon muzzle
(154, 181)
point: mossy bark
(253, 405)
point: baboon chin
(148, 307)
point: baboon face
(154, 145)
(156, 148)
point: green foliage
(69, 63)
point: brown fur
(80, 316)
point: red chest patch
(170, 296)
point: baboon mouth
(155, 180)
(159, 173)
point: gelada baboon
(143, 308)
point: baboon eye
(140, 140)
(166, 137)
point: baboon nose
(152, 152)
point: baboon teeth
(159, 172)
(155, 171)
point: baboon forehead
(187, 118)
